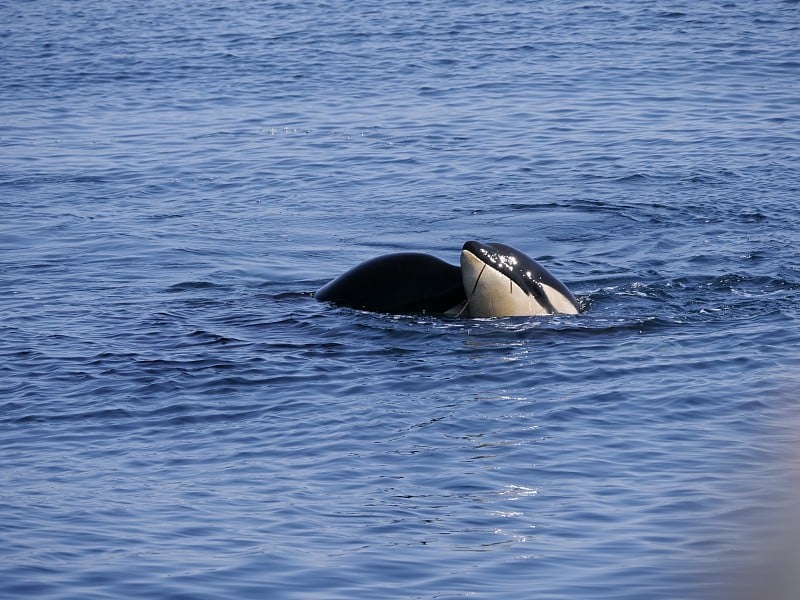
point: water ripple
(181, 418)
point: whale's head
(500, 281)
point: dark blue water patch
(182, 418)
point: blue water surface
(180, 418)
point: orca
(409, 282)
(493, 280)
(503, 282)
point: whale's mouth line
(474, 287)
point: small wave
(294, 295)
(194, 285)
(106, 415)
(633, 178)
(752, 217)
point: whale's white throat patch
(492, 293)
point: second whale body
(493, 280)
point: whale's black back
(409, 282)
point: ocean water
(180, 418)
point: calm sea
(180, 418)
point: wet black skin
(404, 283)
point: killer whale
(408, 282)
(493, 280)
(503, 282)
